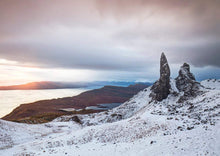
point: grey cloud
(55, 56)
(133, 33)
(198, 55)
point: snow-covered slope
(12, 134)
(140, 126)
(211, 83)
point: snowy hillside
(138, 127)
(211, 83)
(183, 120)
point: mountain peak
(160, 89)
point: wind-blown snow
(140, 127)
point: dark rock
(161, 88)
(186, 82)
(152, 142)
(190, 128)
(169, 118)
(191, 107)
(76, 119)
(117, 116)
(179, 127)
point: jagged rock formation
(160, 89)
(186, 82)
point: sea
(10, 99)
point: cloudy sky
(120, 40)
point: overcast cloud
(111, 37)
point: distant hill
(42, 85)
(43, 108)
(63, 85)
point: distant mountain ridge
(65, 85)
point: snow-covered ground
(140, 127)
(211, 83)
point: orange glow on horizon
(14, 73)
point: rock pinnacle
(161, 88)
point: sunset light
(109, 77)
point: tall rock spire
(164, 68)
(161, 88)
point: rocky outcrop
(186, 82)
(161, 88)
